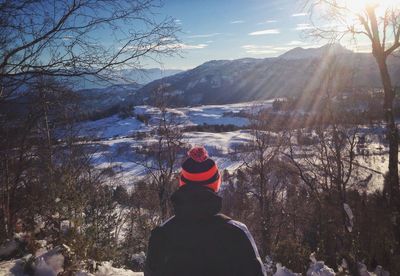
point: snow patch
(106, 269)
(318, 268)
(283, 271)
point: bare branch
(79, 38)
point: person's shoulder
(168, 222)
(222, 218)
(233, 225)
(238, 226)
(238, 229)
(158, 230)
(241, 234)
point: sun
(357, 6)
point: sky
(233, 29)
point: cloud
(182, 46)
(259, 49)
(295, 43)
(299, 14)
(204, 35)
(361, 47)
(193, 46)
(303, 27)
(253, 46)
(266, 32)
(261, 52)
(267, 22)
(283, 48)
(237, 22)
(178, 21)
(68, 37)
(167, 39)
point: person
(198, 240)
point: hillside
(297, 72)
(123, 76)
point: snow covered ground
(119, 153)
(47, 268)
(222, 114)
(111, 127)
(49, 261)
(114, 126)
(117, 142)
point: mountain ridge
(291, 74)
(123, 77)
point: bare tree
(163, 155)
(261, 161)
(27, 135)
(329, 169)
(379, 22)
(66, 38)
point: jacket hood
(195, 202)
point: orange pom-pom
(198, 154)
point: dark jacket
(198, 241)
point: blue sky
(232, 29)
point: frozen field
(119, 153)
(114, 126)
(117, 144)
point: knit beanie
(199, 169)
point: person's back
(198, 240)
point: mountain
(310, 53)
(298, 72)
(100, 99)
(144, 76)
(124, 76)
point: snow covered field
(119, 153)
(117, 143)
(211, 115)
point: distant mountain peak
(308, 53)
(298, 72)
(217, 62)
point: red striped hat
(199, 169)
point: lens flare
(357, 6)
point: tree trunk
(164, 197)
(392, 131)
(392, 181)
(264, 210)
(6, 201)
(163, 203)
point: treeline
(361, 106)
(212, 128)
(122, 110)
